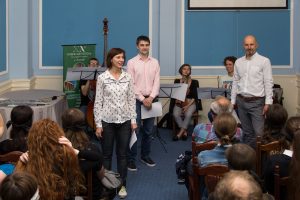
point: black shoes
(148, 161)
(131, 166)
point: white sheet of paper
(180, 93)
(133, 139)
(155, 111)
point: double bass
(93, 83)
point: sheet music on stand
(84, 73)
(175, 91)
(211, 93)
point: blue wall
(80, 22)
(209, 35)
(212, 35)
(2, 35)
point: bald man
(237, 185)
(252, 89)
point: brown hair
(225, 127)
(73, 123)
(112, 53)
(54, 165)
(19, 185)
(276, 117)
(292, 125)
(182, 66)
(241, 157)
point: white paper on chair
(155, 111)
(133, 139)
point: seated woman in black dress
(21, 121)
(90, 155)
(189, 106)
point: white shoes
(122, 193)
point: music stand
(84, 73)
(211, 93)
(176, 91)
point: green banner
(75, 56)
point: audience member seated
(275, 120)
(243, 157)
(237, 185)
(5, 170)
(225, 128)
(19, 185)
(55, 166)
(189, 106)
(87, 88)
(294, 184)
(225, 81)
(21, 121)
(90, 156)
(205, 132)
(283, 159)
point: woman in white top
(114, 112)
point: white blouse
(115, 99)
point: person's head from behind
(237, 185)
(275, 119)
(115, 58)
(292, 125)
(228, 62)
(241, 157)
(19, 185)
(54, 165)
(73, 123)
(225, 127)
(21, 121)
(220, 105)
(185, 70)
(143, 45)
(93, 62)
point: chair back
(196, 148)
(263, 150)
(279, 182)
(212, 174)
(11, 157)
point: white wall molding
(182, 53)
(40, 40)
(7, 39)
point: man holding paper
(144, 70)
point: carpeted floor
(159, 182)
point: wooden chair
(11, 157)
(263, 150)
(212, 174)
(196, 148)
(279, 182)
